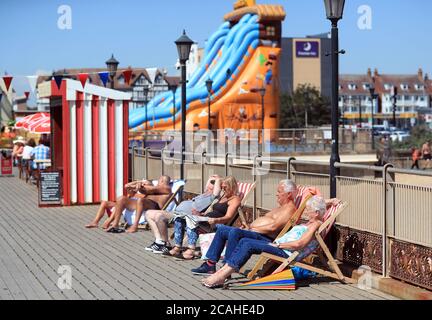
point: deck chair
(298, 257)
(304, 193)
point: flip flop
(116, 230)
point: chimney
(376, 74)
(426, 77)
(420, 74)
(369, 73)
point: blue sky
(141, 33)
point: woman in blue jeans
(222, 212)
(299, 237)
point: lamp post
(306, 100)
(334, 11)
(209, 85)
(173, 89)
(394, 96)
(184, 44)
(112, 65)
(373, 97)
(145, 92)
(360, 110)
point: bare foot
(92, 225)
(175, 251)
(214, 280)
(132, 229)
(106, 225)
(189, 254)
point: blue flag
(58, 79)
(104, 77)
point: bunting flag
(27, 94)
(280, 281)
(104, 77)
(7, 81)
(127, 75)
(83, 78)
(58, 80)
(32, 80)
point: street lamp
(112, 65)
(145, 92)
(209, 85)
(360, 110)
(373, 97)
(173, 89)
(184, 44)
(334, 11)
(394, 96)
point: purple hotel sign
(307, 49)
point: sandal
(116, 230)
(175, 255)
(191, 257)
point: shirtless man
(141, 195)
(427, 154)
(263, 228)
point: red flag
(27, 94)
(127, 75)
(7, 81)
(83, 78)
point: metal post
(174, 110)
(394, 105)
(262, 121)
(203, 157)
(133, 163)
(255, 171)
(334, 110)
(372, 115)
(208, 118)
(290, 160)
(360, 111)
(183, 117)
(146, 163)
(385, 254)
(226, 163)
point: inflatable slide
(242, 59)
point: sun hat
(20, 139)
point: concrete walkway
(35, 242)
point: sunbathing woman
(223, 212)
(299, 237)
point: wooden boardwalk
(35, 242)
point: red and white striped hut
(89, 140)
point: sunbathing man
(132, 193)
(264, 228)
(299, 237)
(141, 196)
(158, 220)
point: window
(352, 86)
(366, 86)
(271, 31)
(419, 87)
(388, 86)
(404, 86)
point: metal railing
(386, 201)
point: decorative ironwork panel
(411, 263)
(359, 248)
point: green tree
(419, 135)
(293, 108)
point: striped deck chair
(298, 257)
(304, 193)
